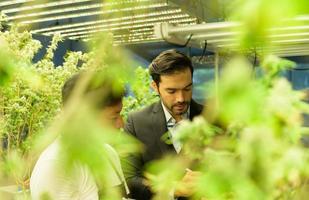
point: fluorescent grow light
(158, 5)
(153, 14)
(121, 24)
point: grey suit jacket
(148, 126)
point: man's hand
(187, 185)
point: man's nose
(180, 97)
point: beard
(178, 108)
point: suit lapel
(159, 127)
(159, 124)
(195, 109)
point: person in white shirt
(50, 179)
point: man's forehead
(177, 86)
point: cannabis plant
(31, 95)
(30, 98)
(141, 94)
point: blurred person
(49, 179)
(172, 74)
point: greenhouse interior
(154, 99)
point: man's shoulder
(139, 122)
(196, 108)
(197, 105)
(144, 112)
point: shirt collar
(169, 117)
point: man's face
(112, 115)
(175, 91)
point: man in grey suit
(172, 73)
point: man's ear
(154, 86)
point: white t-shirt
(49, 178)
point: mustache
(181, 103)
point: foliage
(141, 95)
(246, 144)
(32, 96)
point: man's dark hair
(100, 90)
(169, 62)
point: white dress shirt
(172, 126)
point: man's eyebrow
(188, 85)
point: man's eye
(171, 91)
